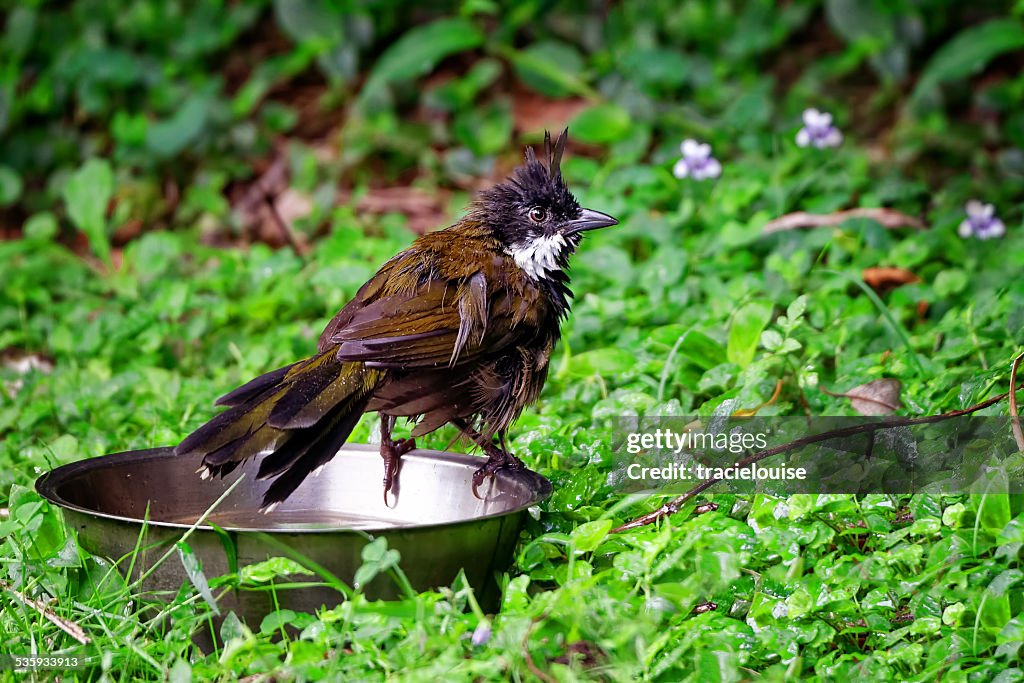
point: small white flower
(981, 222)
(818, 130)
(697, 162)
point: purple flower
(981, 222)
(818, 130)
(697, 162)
(481, 634)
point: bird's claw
(495, 463)
(392, 453)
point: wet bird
(457, 329)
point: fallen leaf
(886, 278)
(888, 218)
(877, 397)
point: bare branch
(66, 625)
(889, 218)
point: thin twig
(282, 227)
(273, 181)
(263, 193)
(1018, 435)
(674, 505)
(529, 658)
(66, 625)
(888, 218)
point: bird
(456, 329)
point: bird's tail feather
(297, 417)
(308, 459)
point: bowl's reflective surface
(433, 519)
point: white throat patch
(539, 257)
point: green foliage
(86, 195)
(602, 123)
(419, 50)
(969, 52)
(745, 331)
(158, 112)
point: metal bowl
(433, 520)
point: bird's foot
(392, 452)
(500, 460)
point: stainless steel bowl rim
(46, 486)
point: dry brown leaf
(889, 218)
(877, 397)
(886, 278)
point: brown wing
(440, 322)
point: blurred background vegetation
(188, 104)
(190, 190)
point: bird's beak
(589, 220)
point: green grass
(140, 354)
(668, 319)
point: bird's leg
(391, 451)
(497, 458)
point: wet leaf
(194, 571)
(748, 323)
(586, 537)
(377, 559)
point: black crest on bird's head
(534, 201)
(535, 217)
(550, 169)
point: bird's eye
(537, 214)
